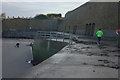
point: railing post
(50, 36)
(40, 34)
(56, 36)
(63, 36)
(70, 39)
(48, 45)
(45, 34)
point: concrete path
(14, 60)
(79, 60)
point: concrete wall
(43, 49)
(26, 24)
(19, 34)
(27, 27)
(46, 25)
(103, 14)
(18, 24)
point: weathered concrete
(21, 24)
(30, 24)
(43, 49)
(47, 24)
(79, 61)
(19, 34)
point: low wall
(16, 34)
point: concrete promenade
(83, 59)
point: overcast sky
(29, 8)
(60, 0)
(32, 8)
(44, 0)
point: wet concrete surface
(83, 59)
(15, 60)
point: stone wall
(91, 16)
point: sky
(60, 0)
(25, 8)
(29, 8)
(44, 0)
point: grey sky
(28, 9)
(44, 0)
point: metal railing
(54, 35)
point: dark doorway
(90, 29)
(86, 30)
(69, 29)
(74, 29)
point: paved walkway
(79, 60)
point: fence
(54, 35)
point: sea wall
(43, 49)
